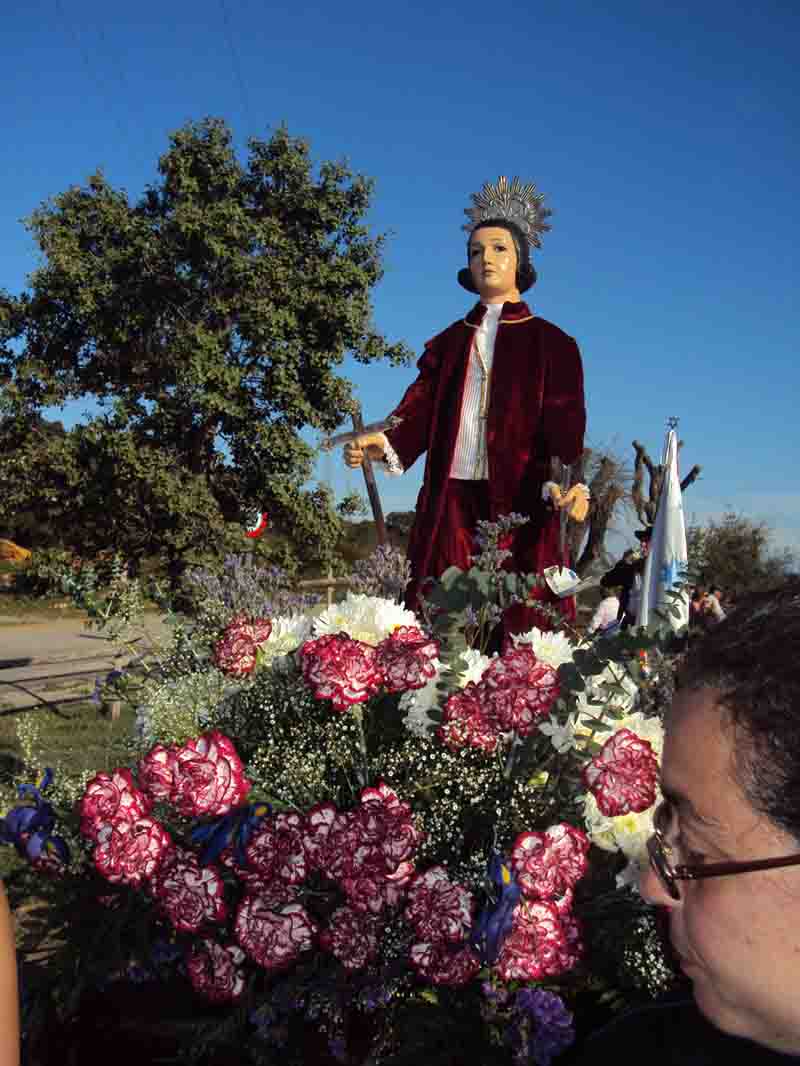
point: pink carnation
(235, 651)
(157, 772)
(518, 690)
(109, 798)
(209, 777)
(438, 909)
(318, 824)
(130, 852)
(367, 850)
(216, 971)
(465, 722)
(549, 864)
(351, 937)
(276, 849)
(406, 659)
(542, 943)
(623, 775)
(272, 890)
(273, 938)
(442, 964)
(369, 890)
(340, 669)
(190, 895)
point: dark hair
(526, 275)
(752, 660)
(714, 590)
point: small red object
(258, 527)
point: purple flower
(541, 1027)
(29, 827)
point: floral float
(379, 830)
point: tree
(208, 319)
(736, 553)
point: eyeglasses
(660, 850)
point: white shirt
(469, 458)
(606, 613)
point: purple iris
(29, 826)
(495, 920)
(230, 830)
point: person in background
(627, 575)
(725, 854)
(712, 606)
(696, 616)
(9, 995)
(606, 615)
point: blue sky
(664, 136)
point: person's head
(698, 593)
(629, 555)
(644, 536)
(731, 781)
(499, 265)
(716, 592)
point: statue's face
(493, 264)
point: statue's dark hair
(526, 274)
(752, 659)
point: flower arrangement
(386, 827)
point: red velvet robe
(536, 411)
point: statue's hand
(575, 502)
(367, 445)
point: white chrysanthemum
(288, 633)
(551, 648)
(627, 833)
(562, 735)
(370, 619)
(474, 664)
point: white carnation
(370, 619)
(555, 649)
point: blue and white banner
(667, 559)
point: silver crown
(515, 202)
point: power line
(80, 48)
(237, 67)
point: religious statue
(499, 395)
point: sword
(328, 443)
(563, 517)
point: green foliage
(208, 318)
(45, 572)
(736, 553)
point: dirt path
(57, 657)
